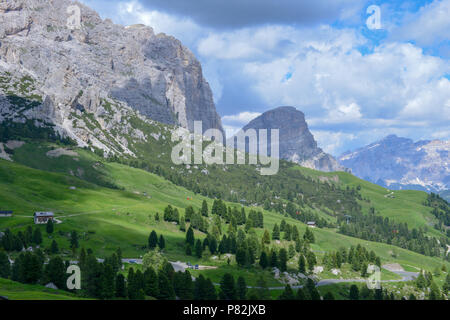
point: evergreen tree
(5, 266)
(287, 294)
(74, 239)
(108, 282)
(302, 264)
(312, 290)
(274, 259)
(198, 249)
(188, 250)
(263, 261)
(446, 287)
(49, 226)
(210, 290)
(241, 257)
(311, 258)
(282, 260)
(152, 240)
(276, 232)
(37, 236)
(435, 293)
(227, 288)
(309, 236)
(241, 288)
(328, 296)
(354, 292)
(301, 294)
(266, 237)
(151, 284)
(55, 272)
(121, 290)
(54, 247)
(183, 224)
(165, 287)
(161, 242)
(190, 238)
(204, 210)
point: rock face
(76, 69)
(296, 143)
(400, 163)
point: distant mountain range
(297, 144)
(400, 163)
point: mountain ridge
(101, 69)
(400, 163)
(296, 144)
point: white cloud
(430, 25)
(332, 142)
(243, 117)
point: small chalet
(311, 224)
(43, 217)
(6, 213)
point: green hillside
(112, 205)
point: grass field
(123, 217)
(18, 291)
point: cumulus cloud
(242, 118)
(259, 57)
(238, 14)
(429, 25)
(332, 142)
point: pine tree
(55, 272)
(274, 259)
(152, 240)
(328, 296)
(227, 288)
(108, 282)
(312, 290)
(190, 238)
(204, 210)
(182, 224)
(302, 264)
(263, 261)
(276, 232)
(287, 294)
(165, 287)
(5, 266)
(241, 288)
(435, 293)
(49, 226)
(121, 291)
(282, 260)
(446, 287)
(161, 242)
(311, 258)
(198, 249)
(151, 282)
(354, 292)
(188, 250)
(266, 237)
(301, 294)
(74, 239)
(54, 247)
(37, 236)
(241, 257)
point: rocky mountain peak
(79, 69)
(297, 144)
(401, 163)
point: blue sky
(355, 84)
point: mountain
(91, 83)
(297, 144)
(400, 163)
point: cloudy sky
(356, 81)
